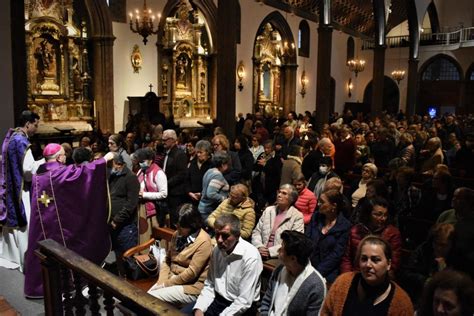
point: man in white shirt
(233, 283)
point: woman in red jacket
(373, 221)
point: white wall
(126, 82)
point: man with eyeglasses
(174, 166)
(232, 286)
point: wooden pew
(163, 234)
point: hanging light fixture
(399, 74)
(144, 23)
(356, 65)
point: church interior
(86, 64)
(93, 65)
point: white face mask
(323, 169)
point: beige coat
(293, 221)
(188, 267)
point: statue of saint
(44, 59)
(181, 65)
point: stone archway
(391, 95)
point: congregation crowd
(359, 216)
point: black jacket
(124, 189)
(194, 175)
(176, 167)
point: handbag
(141, 266)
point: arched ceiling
(351, 15)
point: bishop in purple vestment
(69, 204)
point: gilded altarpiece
(184, 79)
(58, 78)
(268, 63)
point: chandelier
(356, 65)
(144, 23)
(398, 75)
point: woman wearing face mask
(373, 221)
(116, 144)
(370, 291)
(153, 188)
(319, 178)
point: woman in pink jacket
(307, 201)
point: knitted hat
(51, 149)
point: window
(441, 69)
(350, 48)
(303, 39)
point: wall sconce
(304, 82)
(350, 86)
(240, 74)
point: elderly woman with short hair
(369, 172)
(276, 219)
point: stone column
(412, 77)
(226, 64)
(412, 86)
(103, 81)
(323, 86)
(378, 79)
(18, 54)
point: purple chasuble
(12, 210)
(69, 204)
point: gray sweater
(307, 301)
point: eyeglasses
(224, 236)
(166, 139)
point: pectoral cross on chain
(45, 199)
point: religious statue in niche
(164, 80)
(186, 41)
(58, 74)
(136, 59)
(181, 68)
(44, 59)
(267, 73)
(203, 86)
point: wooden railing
(65, 273)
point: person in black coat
(245, 157)
(174, 166)
(196, 170)
(124, 189)
(266, 181)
